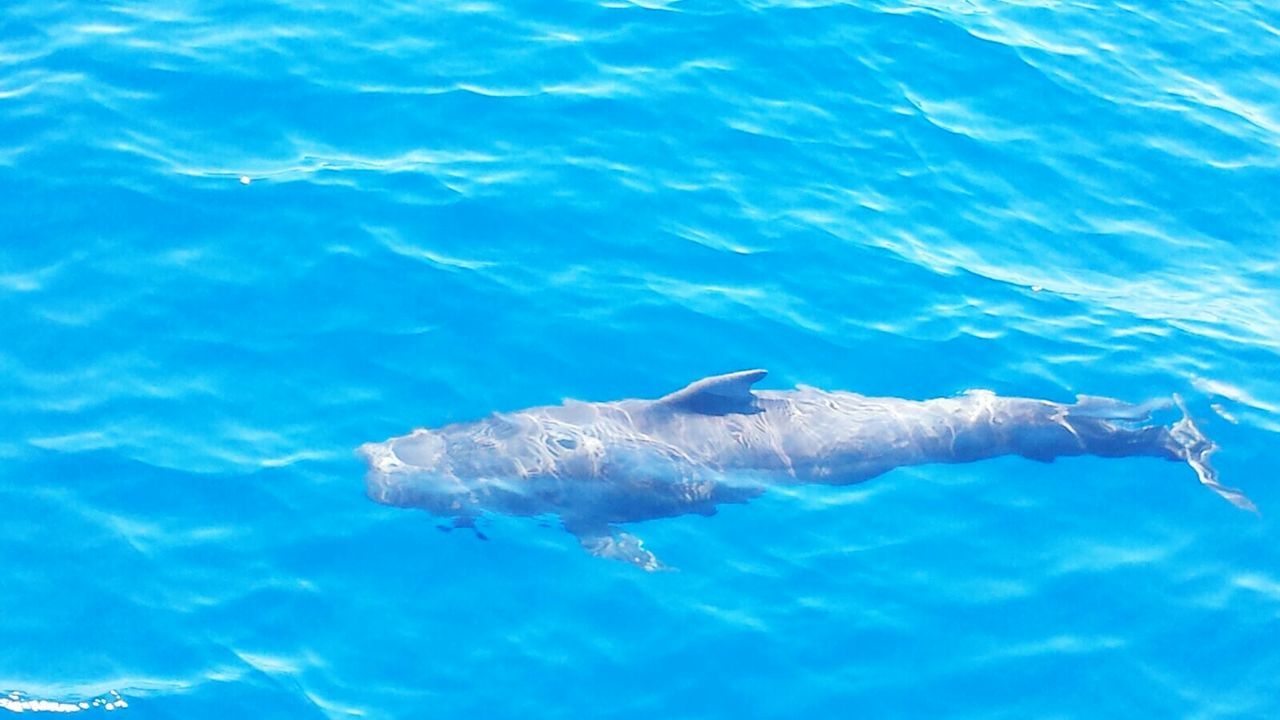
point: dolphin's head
(510, 463)
(414, 470)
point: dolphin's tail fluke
(1191, 445)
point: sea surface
(239, 239)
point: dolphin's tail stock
(1191, 445)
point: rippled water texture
(456, 208)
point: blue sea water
(452, 208)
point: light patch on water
(1056, 645)
(1225, 414)
(26, 281)
(668, 5)
(1099, 558)
(296, 457)
(585, 89)
(100, 29)
(720, 299)
(980, 591)
(1234, 393)
(391, 240)
(270, 664)
(958, 118)
(1259, 583)
(75, 442)
(1207, 94)
(19, 283)
(10, 155)
(731, 616)
(710, 239)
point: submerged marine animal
(716, 441)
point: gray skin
(716, 441)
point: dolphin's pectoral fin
(621, 546)
(718, 395)
(469, 521)
(606, 541)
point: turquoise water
(456, 208)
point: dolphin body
(716, 441)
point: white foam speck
(16, 704)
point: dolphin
(716, 441)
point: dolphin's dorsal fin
(718, 395)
